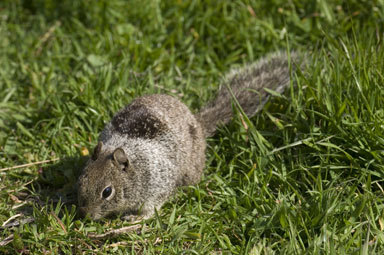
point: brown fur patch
(137, 121)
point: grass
(308, 178)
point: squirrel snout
(82, 212)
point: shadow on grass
(94, 15)
(52, 195)
(56, 185)
(59, 179)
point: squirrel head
(102, 186)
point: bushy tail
(248, 86)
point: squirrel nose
(82, 212)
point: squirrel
(156, 144)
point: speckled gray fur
(247, 84)
(155, 144)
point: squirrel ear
(119, 156)
(97, 150)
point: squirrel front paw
(131, 218)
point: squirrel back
(248, 85)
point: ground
(304, 175)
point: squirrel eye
(107, 192)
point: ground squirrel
(155, 144)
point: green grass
(306, 177)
